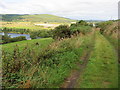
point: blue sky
(74, 9)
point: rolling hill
(34, 18)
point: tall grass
(47, 67)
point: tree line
(7, 39)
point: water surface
(12, 35)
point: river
(12, 35)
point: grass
(42, 68)
(118, 75)
(71, 50)
(46, 63)
(116, 43)
(102, 70)
(111, 34)
(43, 42)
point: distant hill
(34, 18)
(95, 20)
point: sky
(73, 9)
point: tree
(82, 22)
(5, 38)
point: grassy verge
(102, 70)
(32, 67)
(116, 43)
(113, 41)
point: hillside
(35, 18)
(49, 63)
(78, 56)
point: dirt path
(70, 82)
(101, 70)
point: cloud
(75, 9)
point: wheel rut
(71, 81)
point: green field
(27, 43)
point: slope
(35, 18)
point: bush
(104, 25)
(5, 38)
(80, 27)
(64, 31)
(40, 33)
(61, 31)
(81, 22)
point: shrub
(80, 28)
(64, 31)
(5, 38)
(104, 25)
(82, 22)
(61, 31)
(40, 33)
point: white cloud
(76, 9)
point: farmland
(33, 22)
(28, 25)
